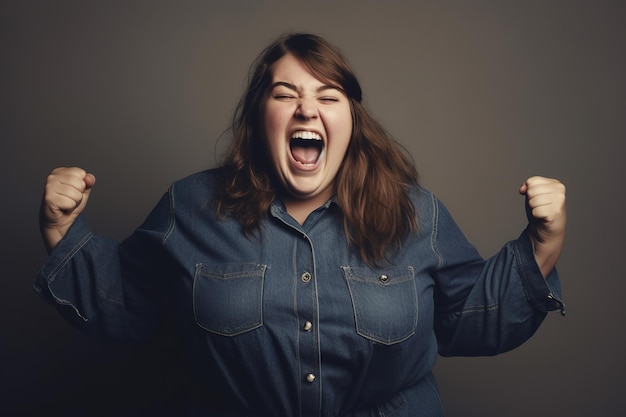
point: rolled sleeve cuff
(544, 294)
(77, 236)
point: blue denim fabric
(290, 321)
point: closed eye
(284, 97)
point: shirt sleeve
(110, 289)
(486, 307)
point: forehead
(293, 71)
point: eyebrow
(294, 88)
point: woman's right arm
(103, 287)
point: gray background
(483, 94)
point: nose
(307, 109)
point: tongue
(306, 155)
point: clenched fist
(547, 217)
(66, 193)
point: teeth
(303, 134)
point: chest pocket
(384, 302)
(228, 298)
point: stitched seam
(433, 236)
(170, 228)
(70, 255)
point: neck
(300, 209)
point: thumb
(90, 181)
(523, 189)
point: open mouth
(306, 147)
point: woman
(309, 275)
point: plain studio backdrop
(483, 94)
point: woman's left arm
(547, 217)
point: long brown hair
(372, 183)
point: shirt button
(306, 277)
(383, 278)
(310, 378)
(308, 326)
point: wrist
(547, 251)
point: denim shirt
(291, 321)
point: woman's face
(307, 125)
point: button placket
(307, 310)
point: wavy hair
(372, 183)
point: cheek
(273, 131)
(274, 123)
(341, 126)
